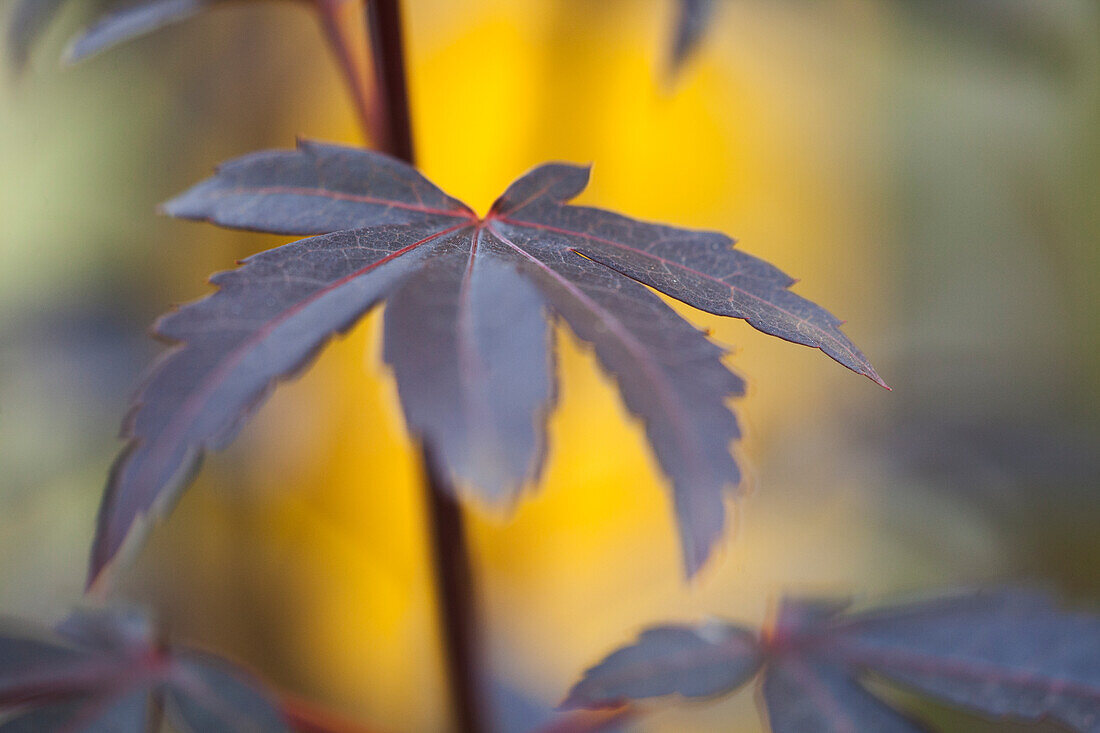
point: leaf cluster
(105, 671)
(1005, 654)
(121, 22)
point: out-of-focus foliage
(123, 21)
(134, 19)
(1006, 654)
(106, 670)
(29, 19)
(933, 184)
(693, 18)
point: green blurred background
(930, 169)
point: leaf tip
(184, 206)
(170, 207)
(71, 56)
(79, 49)
(871, 374)
(96, 583)
(694, 558)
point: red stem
(455, 597)
(391, 85)
(384, 113)
(453, 576)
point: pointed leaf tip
(547, 184)
(693, 17)
(122, 25)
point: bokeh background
(930, 170)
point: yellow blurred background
(930, 171)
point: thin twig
(455, 593)
(456, 596)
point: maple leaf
(103, 670)
(692, 19)
(340, 23)
(465, 326)
(1008, 653)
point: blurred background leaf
(932, 177)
